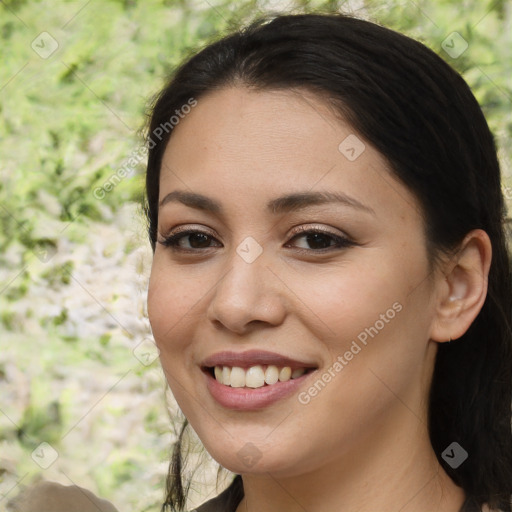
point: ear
(462, 288)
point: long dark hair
(422, 117)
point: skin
(361, 444)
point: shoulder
(46, 496)
(226, 501)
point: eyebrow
(279, 205)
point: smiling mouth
(256, 376)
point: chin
(255, 458)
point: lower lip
(247, 399)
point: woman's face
(305, 254)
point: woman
(330, 291)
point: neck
(391, 470)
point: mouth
(253, 379)
(256, 376)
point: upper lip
(253, 357)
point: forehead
(284, 120)
(238, 140)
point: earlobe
(463, 288)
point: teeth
(218, 374)
(271, 374)
(226, 375)
(237, 377)
(255, 376)
(285, 374)
(298, 372)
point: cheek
(171, 303)
(345, 302)
(381, 304)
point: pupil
(199, 240)
(317, 241)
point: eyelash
(172, 241)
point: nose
(248, 295)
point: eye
(312, 240)
(320, 240)
(189, 240)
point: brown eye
(189, 240)
(319, 240)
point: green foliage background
(68, 124)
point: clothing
(228, 500)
